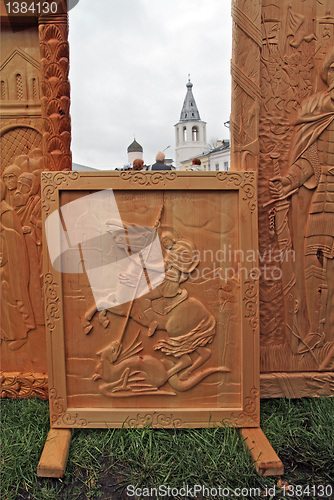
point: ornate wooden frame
(64, 416)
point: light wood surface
(127, 345)
(55, 453)
(282, 67)
(266, 461)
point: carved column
(55, 89)
(246, 96)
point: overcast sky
(129, 67)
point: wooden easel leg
(265, 459)
(55, 452)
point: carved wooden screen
(184, 351)
(35, 135)
(282, 125)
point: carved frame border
(248, 413)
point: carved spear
(156, 225)
(288, 276)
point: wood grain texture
(184, 351)
(282, 66)
(55, 453)
(266, 461)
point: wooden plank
(266, 461)
(55, 452)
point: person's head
(36, 184)
(138, 164)
(327, 72)
(24, 185)
(196, 161)
(167, 239)
(10, 176)
(160, 157)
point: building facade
(211, 160)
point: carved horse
(189, 325)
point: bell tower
(190, 131)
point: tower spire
(189, 109)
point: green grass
(102, 463)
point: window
(195, 133)
(217, 166)
(3, 90)
(34, 89)
(225, 165)
(19, 87)
(184, 134)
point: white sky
(129, 67)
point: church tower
(190, 131)
(135, 150)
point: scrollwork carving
(153, 419)
(148, 178)
(51, 302)
(245, 181)
(250, 300)
(56, 403)
(52, 182)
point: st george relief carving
(21, 238)
(309, 306)
(161, 321)
(189, 326)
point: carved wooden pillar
(55, 89)
(35, 135)
(246, 95)
(280, 49)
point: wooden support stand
(265, 458)
(55, 452)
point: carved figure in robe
(10, 177)
(312, 165)
(28, 208)
(17, 317)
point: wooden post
(55, 90)
(55, 453)
(266, 461)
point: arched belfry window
(195, 134)
(184, 134)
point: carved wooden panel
(28, 146)
(295, 163)
(151, 298)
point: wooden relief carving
(35, 135)
(55, 87)
(246, 93)
(292, 47)
(150, 314)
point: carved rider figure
(180, 260)
(312, 165)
